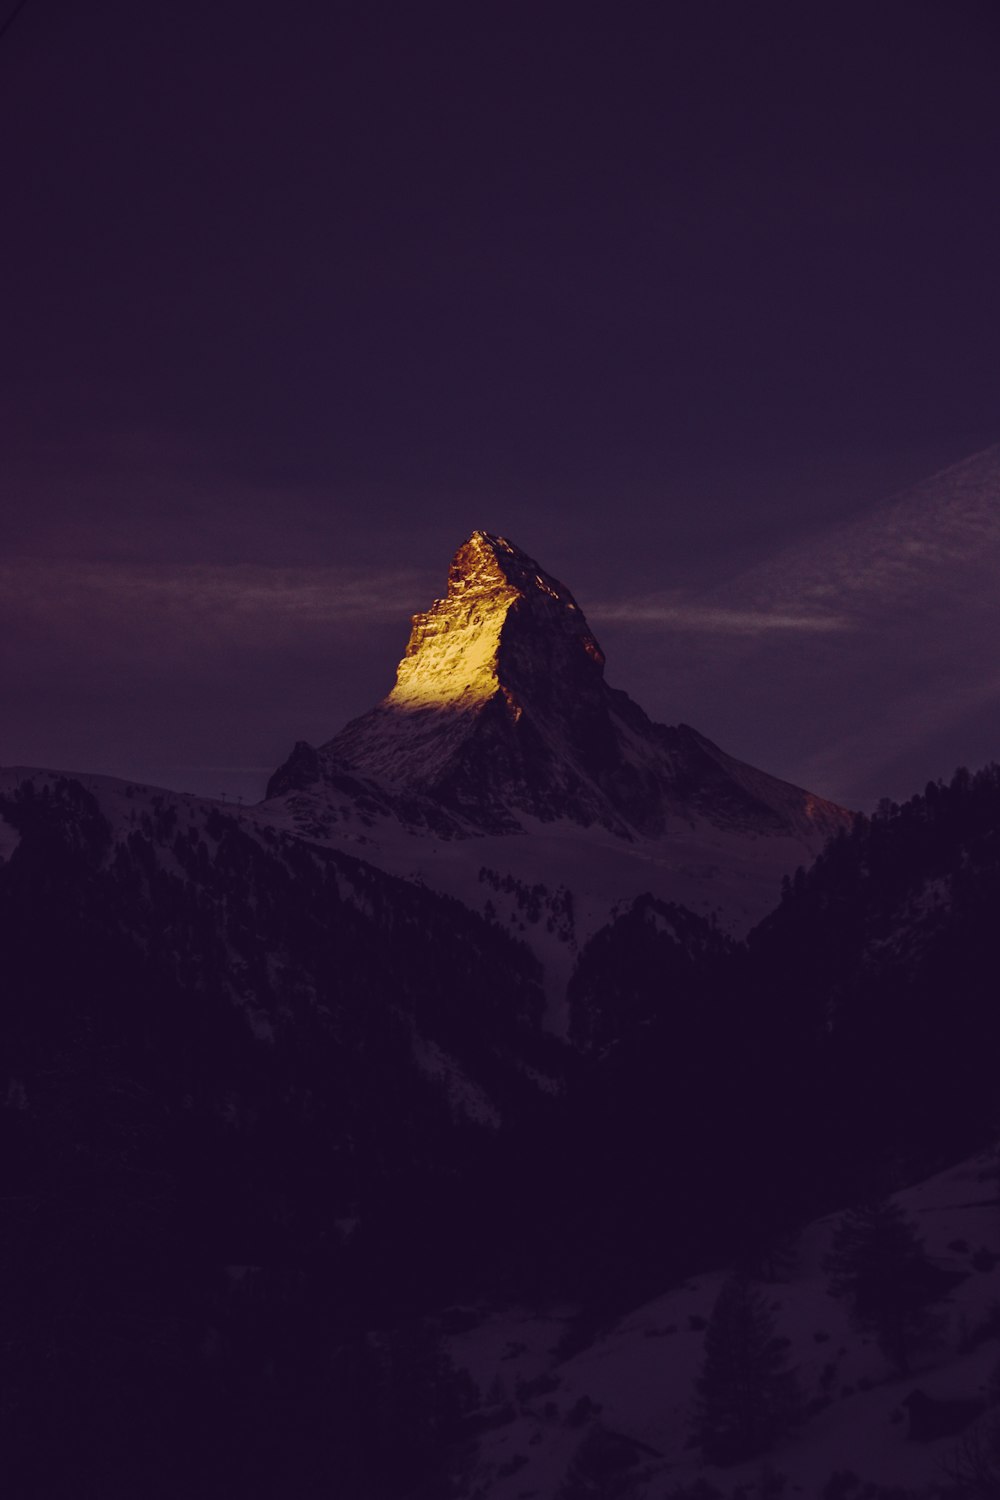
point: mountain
(879, 969)
(284, 938)
(254, 1095)
(853, 1034)
(502, 758)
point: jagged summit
(500, 710)
(487, 561)
(460, 652)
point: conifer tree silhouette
(746, 1394)
(877, 1261)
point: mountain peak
(487, 561)
(464, 649)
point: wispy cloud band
(714, 620)
(240, 591)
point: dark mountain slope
(881, 965)
(230, 1061)
(848, 1046)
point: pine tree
(746, 1394)
(974, 1464)
(878, 1262)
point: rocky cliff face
(504, 627)
(500, 710)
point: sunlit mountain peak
(461, 651)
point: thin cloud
(712, 620)
(242, 594)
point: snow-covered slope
(633, 1381)
(204, 889)
(502, 761)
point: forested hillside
(847, 1047)
(269, 1109)
(254, 1094)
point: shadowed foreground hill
(267, 1108)
(853, 1037)
(847, 1047)
(254, 1096)
(880, 966)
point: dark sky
(297, 296)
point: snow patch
(636, 1377)
(466, 1099)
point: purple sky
(296, 297)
